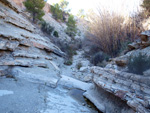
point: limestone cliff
(23, 52)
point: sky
(122, 6)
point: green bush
(79, 65)
(138, 64)
(57, 12)
(46, 27)
(35, 7)
(56, 34)
(71, 27)
(99, 58)
(68, 62)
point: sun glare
(121, 6)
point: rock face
(19, 3)
(140, 46)
(132, 89)
(118, 91)
(22, 50)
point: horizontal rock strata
(23, 49)
(131, 88)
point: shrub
(79, 65)
(111, 29)
(57, 12)
(68, 49)
(99, 58)
(55, 34)
(138, 64)
(71, 27)
(68, 62)
(46, 27)
(35, 8)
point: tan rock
(121, 62)
(133, 46)
(11, 4)
(145, 35)
(145, 44)
(144, 38)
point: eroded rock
(130, 88)
(24, 49)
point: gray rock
(126, 86)
(146, 73)
(83, 69)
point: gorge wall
(117, 90)
(23, 51)
(27, 54)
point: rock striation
(23, 51)
(134, 89)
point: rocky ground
(22, 96)
(34, 79)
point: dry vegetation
(111, 30)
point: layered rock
(140, 46)
(132, 89)
(22, 50)
(19, 3)
(118, 91)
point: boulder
(145, 35)
(146, 73)
(133, 46)
(83, 69)
(121, 62)
(130, 88)
(145, 44)
(87, 78)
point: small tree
(138, 64)
(57, 12)
(71, 26)
(35, 8)
(63, 4)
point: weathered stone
(87, 78)
(19, 23)
(83, 69)
(121, 62)
(145, 44)
(145, 35)
(11, 4)
(144, 38)
(133, 46)
(124, 85)
(2, 15)
(25, 54)
(146, 73)
(23, 47)
(8, 45)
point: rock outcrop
(23, 52)
(140, 46)
(116, 90)
(123, 87)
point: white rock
(83, 69)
